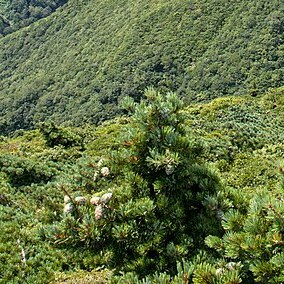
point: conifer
(156, 213)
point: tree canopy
(75, 65)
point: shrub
(55, 135)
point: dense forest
(141, 141)
(75, 65)
(15, 14)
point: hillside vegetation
(141, 141)
(197, 198)
(75, 65)
(15, 14)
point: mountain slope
(74, 65)
(15, 14)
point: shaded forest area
(15, 14)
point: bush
(55, 136)
(23, 171)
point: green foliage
(21, 171)
(22, 256)
(28, 199)
(255, 238)
(83, 277)
(20, 13)
(144, 227)
(55, 136)
(81, 60)
(152, 217)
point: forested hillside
(76, 64)
(15, 14)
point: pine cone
(66, 199)
(220, 271)
(68, 208)
(99, 212)
(80, 200)
(106, 198)
(95, 200)
(105, 171)
(169, 169)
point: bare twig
(23, 254)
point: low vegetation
(182, 195)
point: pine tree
(163, 201)
(252, 245)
